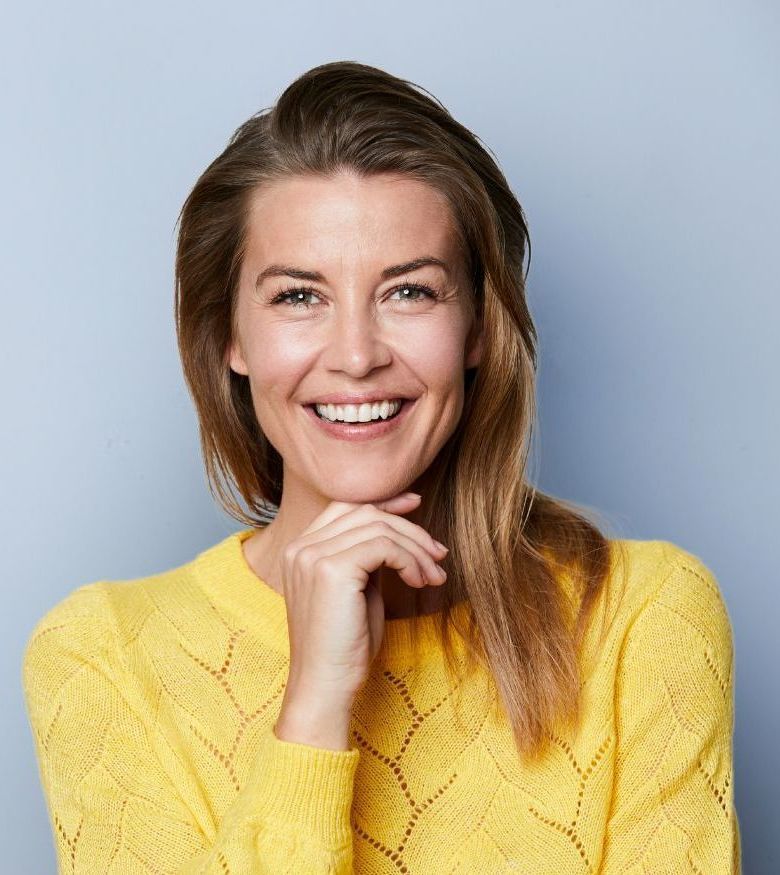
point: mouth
(357, 431)
(370, 422)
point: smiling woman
(373, 327)
(332, 689)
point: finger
(406, 527)
(406, 498)
(370, 555)
(434, 573)
(369, 513)
(401, 503)
(322, 551)
(315, 551)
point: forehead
(381, 216)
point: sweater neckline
(223, 572)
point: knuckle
(322, 565)
(305, 555)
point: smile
(362, 431)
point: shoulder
(671, 583)
(79, 623)
(94, 623)
(671, 605)
(656, 594)
(70, 647)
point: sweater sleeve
(672, 807)
(111, 803)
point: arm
(672, 806)
(112, 805)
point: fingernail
(441, 546)
(412, 495)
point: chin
(362, 495)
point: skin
(359, 332)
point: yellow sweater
(152, 703)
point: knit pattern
(152, 703)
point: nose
(355, 341)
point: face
(358, 327)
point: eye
(284, 297)
(427, 291)
(293, 297)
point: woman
(332, 689)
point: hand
(335, 614)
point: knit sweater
(152, 703)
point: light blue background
(642, 140)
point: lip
(366, 431)
(358, 398)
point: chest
(439, 786)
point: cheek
(277, 360)
(435, 356)
(277, 363)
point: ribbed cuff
(309, 788)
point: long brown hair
(530, 565)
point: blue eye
(283, 297)
(288, 296)
(427, 291)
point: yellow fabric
(152, 702)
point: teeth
(358, 412)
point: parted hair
(530, 565)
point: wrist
(317, 724)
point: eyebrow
(314, 276)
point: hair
(530, 565)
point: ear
(236, 358)
(474, 347)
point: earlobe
(474, 355)
(236, 360)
